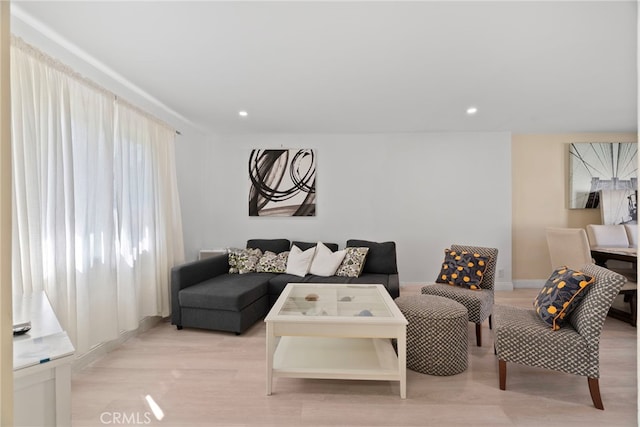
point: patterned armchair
(479, 303)
(522, 337)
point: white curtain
(96, 215)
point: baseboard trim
(106, 347)
(411, 284)
(499, 286)
(529, 284)
(502, 286)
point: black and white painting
(597, 167)
(282, 182)
(618, 207)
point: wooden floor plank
(205, 378)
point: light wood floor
(204, 378)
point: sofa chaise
(204, 294)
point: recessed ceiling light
(472, 110)
(243, 113)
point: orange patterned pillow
(561, 295)
(463, 269)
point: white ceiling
(341, 67)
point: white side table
(41, 366)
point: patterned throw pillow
(233, 257)
(353, 262)
(243, 260)
(462, 269)
(273, 263)
(561, 295)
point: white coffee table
(336, 331)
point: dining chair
(632, 234)
(609, 238)
(612, 237)
(522, 337)
(568, 246)
(479, 302)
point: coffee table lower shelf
(336, 358)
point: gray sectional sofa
(205, 295)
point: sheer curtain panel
(96, 212)
(147, 216)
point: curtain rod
(19, 43)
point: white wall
(423, 191)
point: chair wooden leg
(478, 334)
(633, 307)
(490, 323)
(594, 389)
(502, 374)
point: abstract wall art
(282, 182)
(601, 167)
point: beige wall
(540, 170)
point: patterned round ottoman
(436, 334)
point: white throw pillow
(299, 262)
(325, 262)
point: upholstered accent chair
(522, 337)
(479, 302)
(568, 247)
